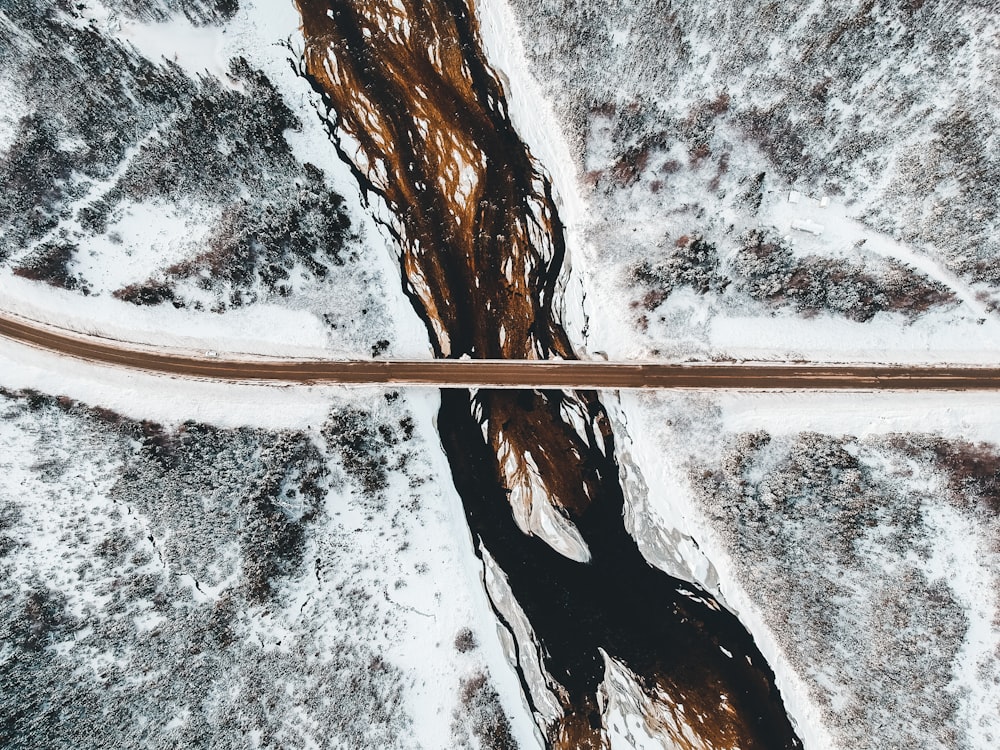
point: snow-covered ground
(224, 215)
(884, 635)
(311, 587)
(855, 536)
(259, 329)
(649, 123)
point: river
(420, 118)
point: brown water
(421, 119)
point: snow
(962, 558)
(804, 225)
(626, 708)
(56, 507)
(198, 50)
(664, 539)
(835, 218)
(430, 606)
(698, 328)
(154, 235)
(550, 525)
(966, 415)
(664, 431)
(133, 223)
(539, 682)
(934, 339)
(258, 329)
(423, 404)
(14, 108)
(689, 325)
(532, 508)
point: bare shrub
(465, 641)
(693, 263)
(766, 269)
(481, 716)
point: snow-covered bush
(219, 143)
(199, 12)
(257, 246)
(58, 150)
(694, 264)
(369, 446)
(840, 541)
(480, 716)
(50, 263)
(35, 182)
(154, 612)
(766, 269)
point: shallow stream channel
(420, 118)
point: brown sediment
(426, 121)
(577, 730)
(420, 118)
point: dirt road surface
(506, 373)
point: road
(506, 373)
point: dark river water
(416, 112)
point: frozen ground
(180, 583)
(194, 192)
(686, 130)
(855, 534)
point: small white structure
(824, 201)
(804, 225)
(794, 197)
